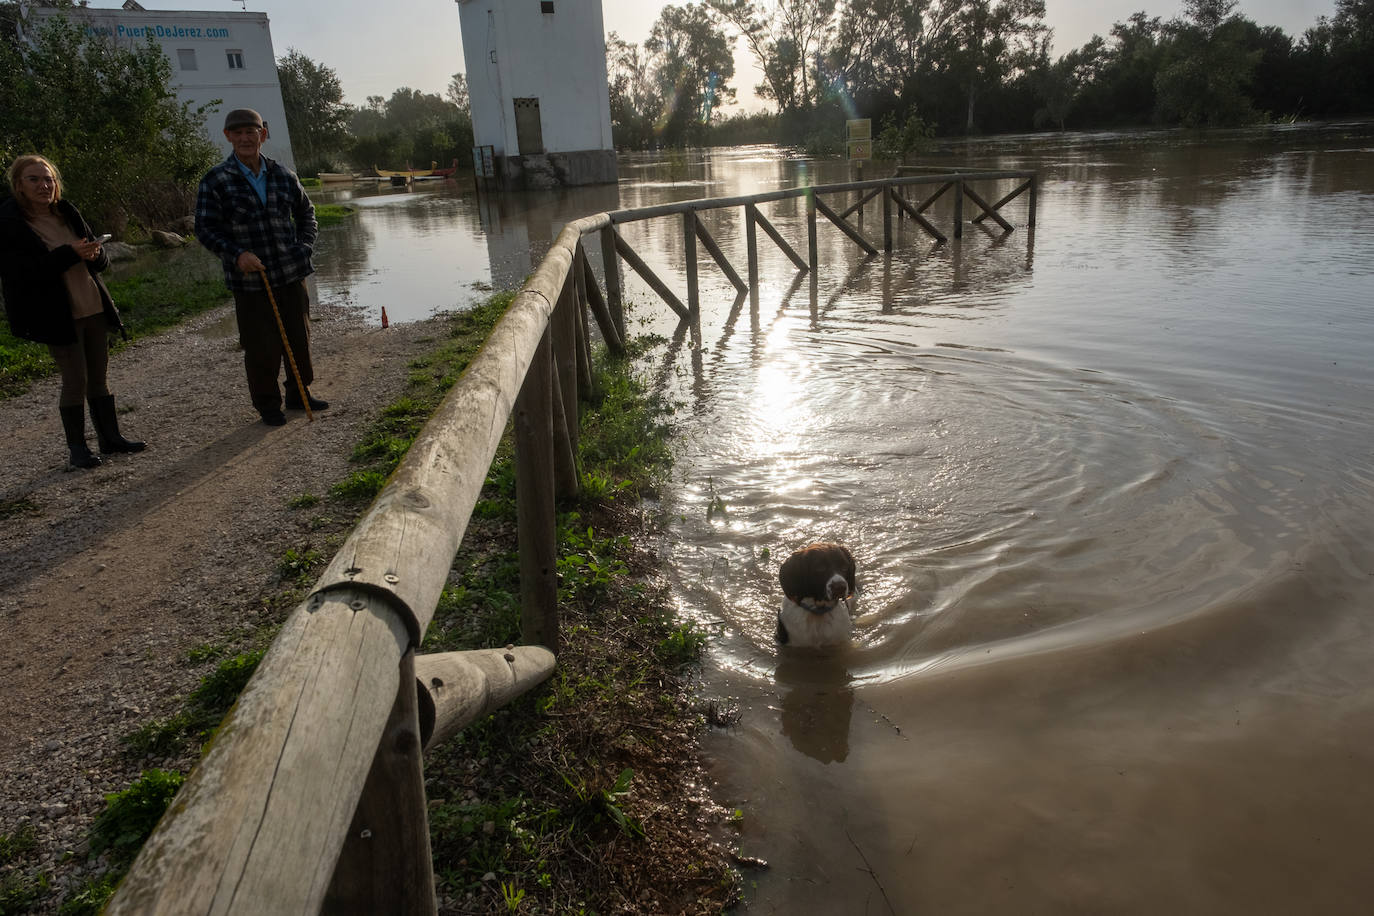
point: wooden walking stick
(286, 344)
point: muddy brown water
(1111, 489)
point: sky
(376, 48)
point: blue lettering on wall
(161, 31)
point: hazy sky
(377, 47)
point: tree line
(957, 67)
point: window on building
(546, 6)
(235, 60)
(186, 57)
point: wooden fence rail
(311, 797)
(893, 203)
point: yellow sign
(860, 149)
(858, 129)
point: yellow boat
(407, 173)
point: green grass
(119, 832)
(14, 846)
(298, 566)
(20, 892)
(333, 214)
(20, 889)
(156, 290)
(130, 815)
(303, 501)
(12, 508)
(202, 711)
(93, 894)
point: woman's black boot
(74, 425)
(107, 427)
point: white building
(224, 58)
(537, 86)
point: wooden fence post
(584, 340)
(563, 330)
(959, 209)
(689, 253)
(600, 311)
(385, 865)
(534, 501)
(887, 218)
(751, 235)
(611, 264)
(1031, 201)
(813, 257)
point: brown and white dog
(817, 585)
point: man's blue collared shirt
(258, 181)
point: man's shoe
(293, 401)
(273, 417)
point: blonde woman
(50, 265)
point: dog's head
(818, 577)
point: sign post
(859, 141)
(483, 165)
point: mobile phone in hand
(102, 239)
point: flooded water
(1110, 486)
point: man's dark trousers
(261, 340)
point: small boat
(405, 173)
(336, 177)
(446, 173)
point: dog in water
(817, 589)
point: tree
(1206, 78)
(788, 38)
(692, 66)
(986, 43)
(457, 93)
(1334, 56)
(880, 45)
(315, 111)
(128, 149)
(634, 107)
(411, 128)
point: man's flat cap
(242, 117)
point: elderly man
(253, 213)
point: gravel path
(109, 577)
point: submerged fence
(311, 797)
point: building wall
(199, 45)
(514, 50)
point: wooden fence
(311, 797)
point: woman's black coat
(36, 300)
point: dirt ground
(110, 577)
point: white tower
(537, 83)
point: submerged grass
(576, 798)
(333, 214)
